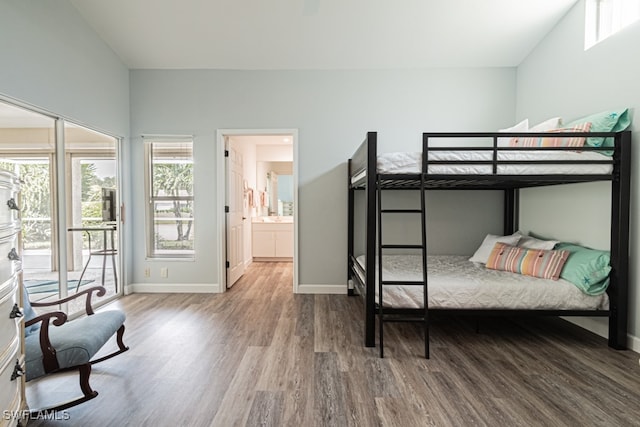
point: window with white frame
(169, 196)
(604, 18)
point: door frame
(222, 188)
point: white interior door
(235, 219)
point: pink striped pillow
(554, 141)
(530, 262)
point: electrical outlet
(147, 272)
(164, 272)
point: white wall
(332, 111)
(560, 78)
(274, 153)
(51, 59)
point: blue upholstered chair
(53, 344)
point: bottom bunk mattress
(454, 282)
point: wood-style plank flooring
(260, 356)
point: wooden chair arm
(60, 318)
(98, 290)
(49, 360)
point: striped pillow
(530, 262)
(554, 141)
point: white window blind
(604, 18)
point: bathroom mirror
(276, 179)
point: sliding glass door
(68, 203)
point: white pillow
(549, 124)
(529, 242)
(483, 252)
(523, 126)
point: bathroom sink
(274, 219)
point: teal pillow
(599, 288)
(605, 121)
(586, 268)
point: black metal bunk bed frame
(363, 175)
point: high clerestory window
(169, 194)
(604, 18)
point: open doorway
(259, 183)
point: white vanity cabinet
(272, 241)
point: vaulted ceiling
(321, 34)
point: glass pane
(36, 210)
(172, 169)
(92, 239)
(97, 192)
(27, 149)
(604, 18)
(173, 227)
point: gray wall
(332, 111)
(51, 59)
(560, 78)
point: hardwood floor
(260, 356)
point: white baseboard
(600, 327)
(634, 343)
(215, 288)
(176, 288)
(322, 289)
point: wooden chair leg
(88, 394)
(121, 346)
(85, 372)
(119, 339)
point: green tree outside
(176, 179)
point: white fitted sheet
(454, 282)
(411, 163)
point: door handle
(13, 255)
(12, 204)
(15, 312)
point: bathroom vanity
(272, 238)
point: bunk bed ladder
(422, 317)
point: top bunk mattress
(411, 163)
(454, 282)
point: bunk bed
(460, 165)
